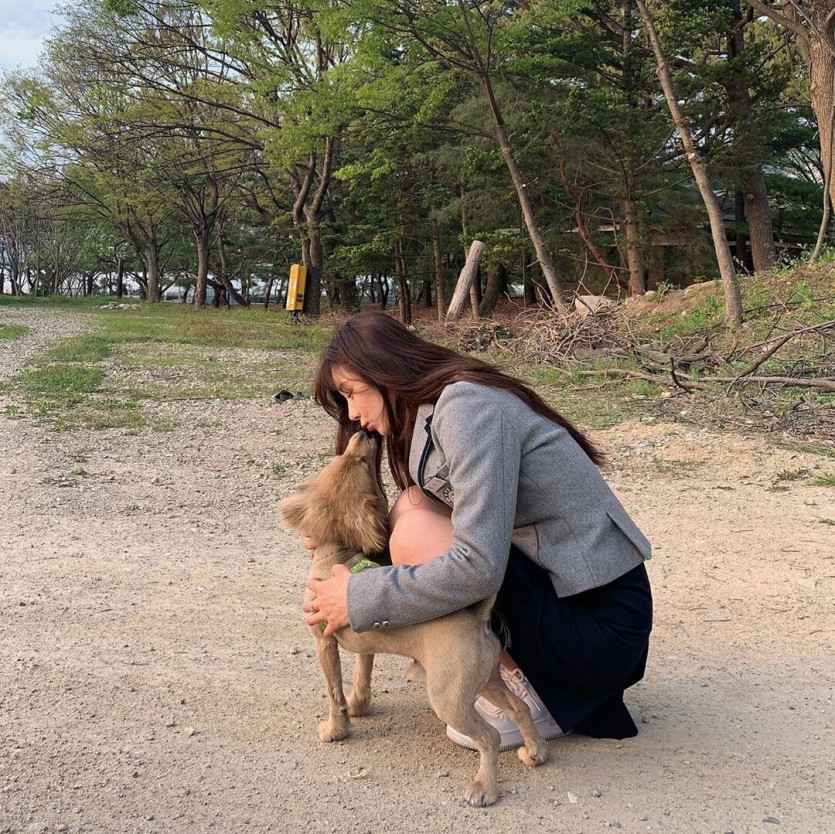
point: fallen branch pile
(570, 341)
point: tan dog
(344, 511)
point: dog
(344, 510)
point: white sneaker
(511, 735)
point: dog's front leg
(338, 724)
(360, 698)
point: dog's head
(344, 504)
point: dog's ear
(372, 527)
(293, 511)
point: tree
(813, 24)
(471, 37)
(733, 298)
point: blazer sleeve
(483, 452)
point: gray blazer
(510, 476)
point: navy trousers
(579, 652)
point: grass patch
(235, 328)
(80, 349)
(164, 353)
(826, 479)
(164, 424)
(644, 388)
(68, 382)
(9, 332)
(793, 475)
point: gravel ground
(45, 328)
(156, 674)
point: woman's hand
(330, 601)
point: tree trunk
(741, 246)
(634, 254)
(201, 241)
(752, 182)
(404, 296)
(223, 270)
(383, 290)
(815, 36)
(822, 75)
(426, 292)
(492, 290)
(120, 277)
(733, 297)
(475, 293)
(435, 234)
(151, 256)
(519, 184)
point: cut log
(465, 280)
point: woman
(500, 495)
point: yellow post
(295, 288)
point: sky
(23, 26)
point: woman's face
(365, 402)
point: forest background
(203, 147)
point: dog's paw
(358, 706)
(328, 731)
(535, 756)
(480, 795)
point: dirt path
(156, 675)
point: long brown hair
(409, 371)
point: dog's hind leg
(459, 713)
(533, 752)
(360, 698)
(338, 724)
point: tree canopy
(211, 143)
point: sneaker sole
(466, 741)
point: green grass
(132, 359)
(87, 348)
(62, 380)
(827, 479)
(9, 332)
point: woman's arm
(482, 448)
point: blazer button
(386, 624)
(378, 626)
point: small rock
(572, 798)
(189, 731)
(597, 792)
(771, 820)
(443, 773)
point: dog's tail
(483, 609)
(492, 619)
